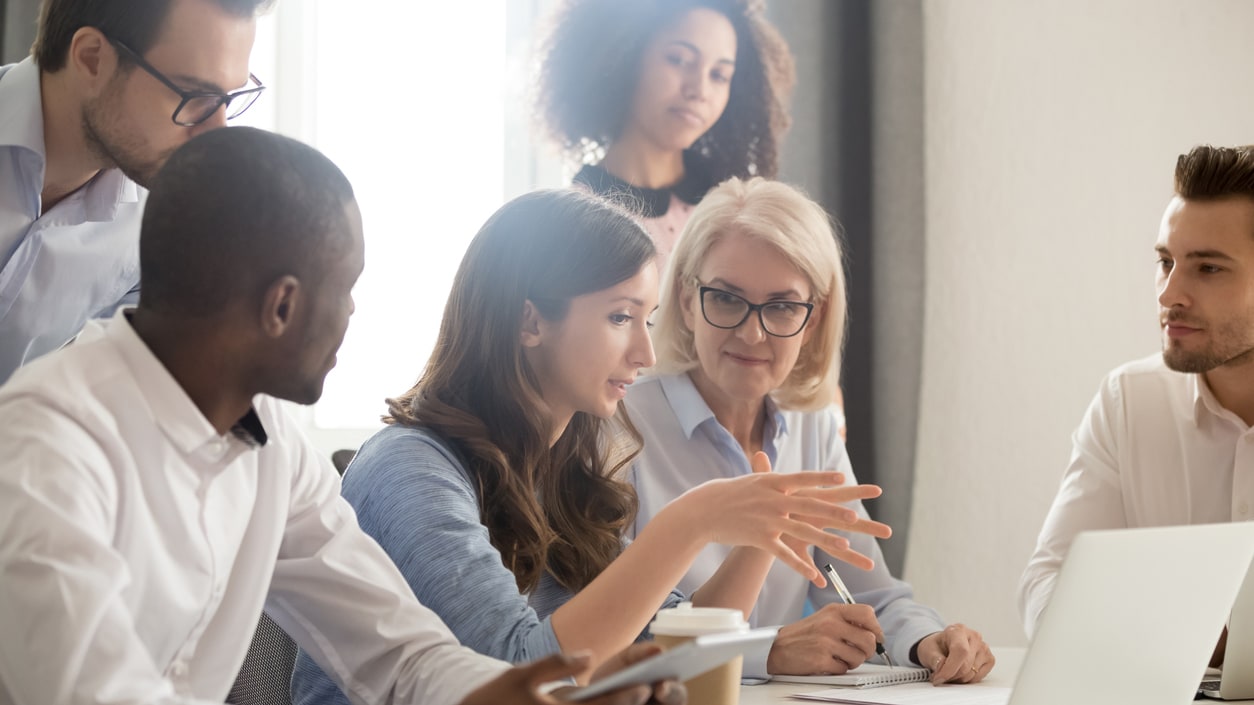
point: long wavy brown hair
(562, 509)
(590, 65)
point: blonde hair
(786, 219)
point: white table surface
(1002, 675)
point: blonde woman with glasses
(748, 340)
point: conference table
(1002, 675)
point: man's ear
(280, 305)
(92, 58)
(531, 332)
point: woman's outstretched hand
(783, 514)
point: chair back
(266, 675)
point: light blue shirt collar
(692, 411)
(22, 127)
(22, 119)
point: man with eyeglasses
(112, 88)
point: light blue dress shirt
(60, 267)
(414, 495)
(684, 445)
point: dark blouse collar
(651, 202)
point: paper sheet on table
(868, 675)
(913, 694)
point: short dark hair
(233, 210)
(135, 23)
(1208, 172)
(590, 66)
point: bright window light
(416, 121)
(423, 107)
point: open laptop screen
(1135, 615)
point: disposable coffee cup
(676, 625)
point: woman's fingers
(797, 559)
(826, 515)
(760, 463)
(837, 546)
(840, 494)
(853, 558)
(857, 526)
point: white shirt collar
(172, 410)
(1205, 403)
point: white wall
(1051, 132)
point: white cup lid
(686, 620)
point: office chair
(341, 459)
(267, 671)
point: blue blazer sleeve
(413, 495)
(416, 499)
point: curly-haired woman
(660, 100)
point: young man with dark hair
(113, 87)
(154, 497)
(1167, 440)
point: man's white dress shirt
(1154, 449)
(138, 547)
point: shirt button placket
(1243, 478)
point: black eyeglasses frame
(752, 307)
(249, 95)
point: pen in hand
(847, 598)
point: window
(422, 105)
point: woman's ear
(687, 305)
(816, 319)
(279, 305)
(532, 329)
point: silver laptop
(1135, 615)
(1237, 680)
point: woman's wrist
(682, 521)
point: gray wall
(857, 147)
(1052, 131)
(18, 29)
(898, 267)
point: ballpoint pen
(847, 598)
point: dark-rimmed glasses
(782, 319)
(197, 106)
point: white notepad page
(868, 675)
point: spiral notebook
(868, 675)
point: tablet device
(688, 660)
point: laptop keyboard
(1210, 686)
